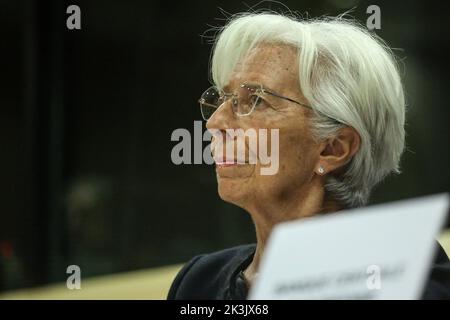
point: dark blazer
(218, 276)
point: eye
(258, 101)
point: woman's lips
(225, 164)
(234, 169)
(230, 164)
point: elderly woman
(334, 92)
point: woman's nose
(222, 117)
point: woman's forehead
(271, 56)
(272, 65)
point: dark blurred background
(86, 118)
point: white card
(378, 252)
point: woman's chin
(231, 191)
(235, 182)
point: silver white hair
(346, 73)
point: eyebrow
(276, 94)
(258, 85)
(270, 91)
(251, 85)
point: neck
(299, 205)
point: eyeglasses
(248, 98)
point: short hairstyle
(346, 73)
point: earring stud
(321, 170)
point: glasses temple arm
(286, 98)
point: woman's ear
(337, 151)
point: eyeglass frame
(260, 90)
